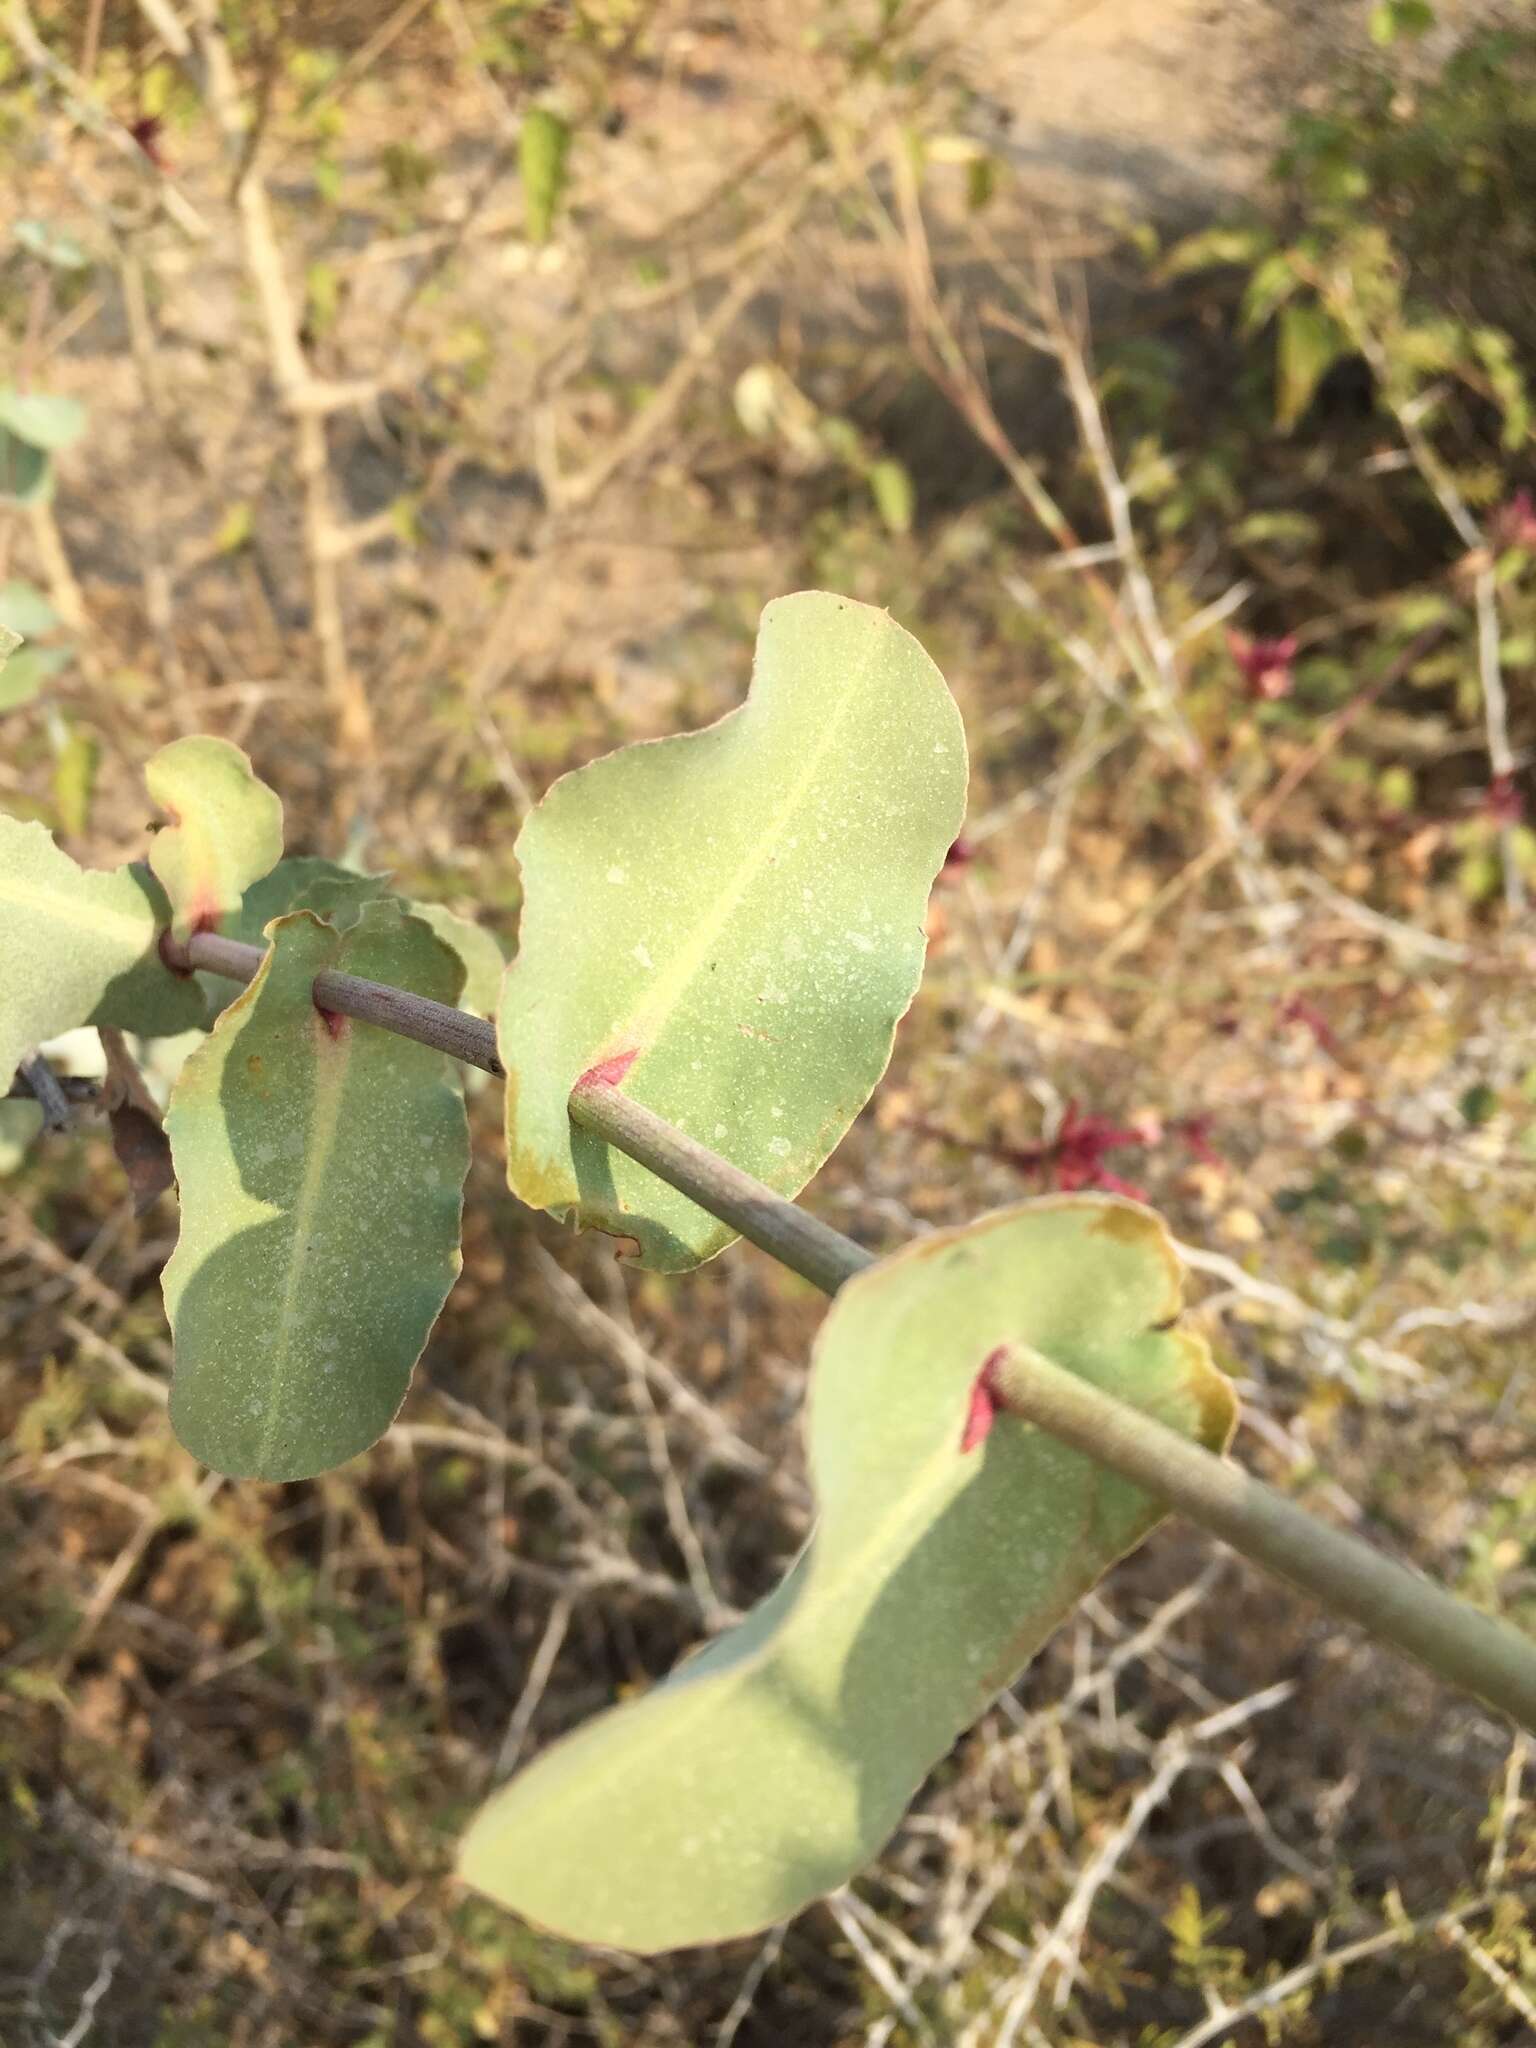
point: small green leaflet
(25, 609)
(226, 829)
(321, 1165)
(775, 1764)
(1307, 345)
(40, 420)
(543, 149)
(26, 474)
(79, 946)
(23, 675)
(730, 923)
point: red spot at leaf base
(334, 1022)
(982, 1412)
(610, 1072)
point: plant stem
(462, 1037)
(1396, 1605)
(802, 1242)
(1450, 1638)
(796, 1239)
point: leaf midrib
(829, 1584)
(325, 1123)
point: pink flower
(1074, 1160)
(1265, 664)
(1514, 524)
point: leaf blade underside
(321, 1165)
(776, 1762)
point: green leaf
(775, 1764)
(1277, 530)
(321, 1165)
(732, 920)
(20, 1123)
(226, 829)
(74, 780)
(477, 952)
(24, 674)
(1273, 281)
(50, 245)
(981, 175)
(1390, 19)
(543, 151)
(25, 610)
(890, 485)
(335, 894)
(1308, 344)
(79, 946)
(1479, 1104)
(43, 422)
(26, 474)
(1215, 246)
(235, 528)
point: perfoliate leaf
(226, 829)
(731, 922)
(773, 1765)
(477, 951)
(543, 147)
(335, 894)
(79, 946)
(321, 1164)
(339, 895)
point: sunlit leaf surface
(730, 923)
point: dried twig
(304, 397)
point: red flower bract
(1265, 665)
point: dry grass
(239, 1724)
